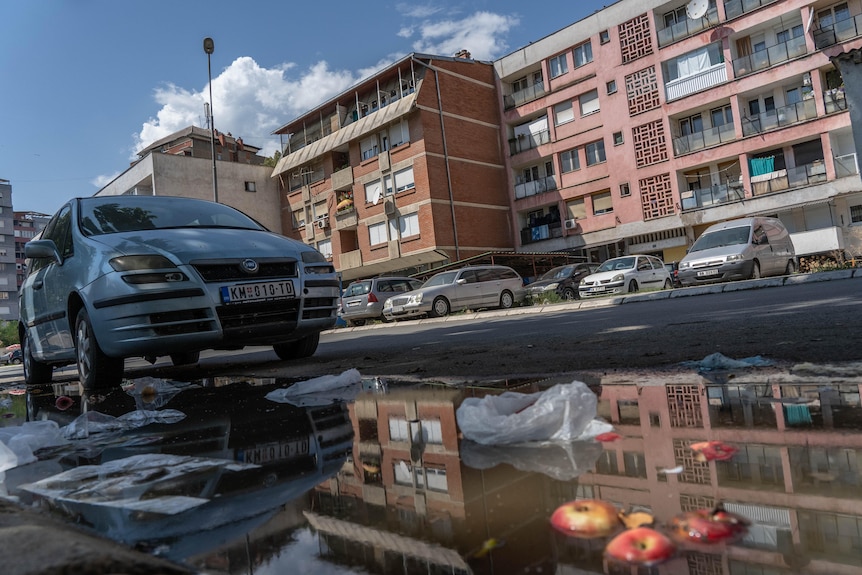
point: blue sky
(88, 83)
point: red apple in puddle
(586, 518)
(709, 526)
(642, 546)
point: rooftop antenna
(207, 113)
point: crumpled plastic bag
(716, 361)
(95, 422)
(561, 413)
(20, 442)
(322, 390)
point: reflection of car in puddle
(187, 487)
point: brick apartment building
(633, 129)
(403, 171)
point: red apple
(709, 526)
(586, 518)
(642, 546)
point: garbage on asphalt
(321, 390)
(718, 361)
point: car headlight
(583, 281)
(552, 286)
(618, 278)
(735, 258)
(321, 269)
(147, 263)
(415, 298)
(684, 265)
(388, 302)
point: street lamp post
(209, 48)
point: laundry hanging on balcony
(760, 166)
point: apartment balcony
(771, 56)
(342, 179)
(350, 260)
(834, 100)
(846, 165)
(526, 142)
(541, 232)
(780, 180)
(779, 117)
(526, 189)
(712, 196)
(707, 78)
(687, 27)
(734, 8)
(704, 139)
(521, 97)
(346, 219)
(818, 241)
(840, 31)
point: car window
(469, 276)
(488, 275)
(62, 233)
(443, 278)
(720, 238)
(759, 237)
(509, 274)
(386, 286)
(415, 284)
(355, 289)
(644, 265)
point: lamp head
(209, 45)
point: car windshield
(441, 279)
(558, 273)
(108, 215)
(617, 264)
(720, 238)
(360, 288)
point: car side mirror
(460, 281)
(40, 249)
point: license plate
(703, 273)
(596, 289)
(353, 303)
(272, 452)
(397, 309)
(257, 291)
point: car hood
(713, 253)
(204, 243)
(605, 276)
(543, 283)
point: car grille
(399, 300)
(182, 321)
(232, 270)
(258, 319)
(318, 307)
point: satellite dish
(376, 197)
(696, 8)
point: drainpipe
(445, 154)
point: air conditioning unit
(389, 206)
(572, 224)
(322, 222)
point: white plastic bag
(560, 413)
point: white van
(746, 248)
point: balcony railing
(526, 142)
(834, 100)
(701, 81)
(734, 8)
(840, 31)
(541, 232)
(771, 56)
(712, 196)
(704, 139)
(779, 117)
(524, 189)
(521, 97)
(804, 175)
(687, 27)
(846, 165)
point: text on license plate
(257, 291)
(707, 273)
(595, 289)
(272, 452)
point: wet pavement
(235, 476)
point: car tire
(668, 284)
(569, 294)
(95, 369)
(633, 286)
(755, 271)
(16, 361)
(187, 358)
(440, 307)
(355, 322)
(790, 269)
(298, 349)
(35, 372)
(507, 300)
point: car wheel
(35, 372)
(440, 307)
(570, 294)
(633, 286)
(507, 300)
(755, 271)
(355, 322)
(298, 349)
(790, 269)
(95, 369)
(16, 361)
(187, 358)
(668, 284)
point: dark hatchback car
(562, 280)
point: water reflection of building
(796, 475)
(406, 503)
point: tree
(8, 332)
(271, 161)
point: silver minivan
(747, 248)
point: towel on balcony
(797, 415)
(758, 166)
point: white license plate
(257, 291)
(272, 452)
(397, 309)
(596, 289)
(703, 273)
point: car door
(646, 274)
(467, 291)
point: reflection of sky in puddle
(397, 501)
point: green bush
(8, 332)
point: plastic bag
(560, 413)
(562, 461)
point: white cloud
(482, 34)
(102, 181)
(412, 11)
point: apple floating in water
(641, 546)
(709, 526)
(586, 518)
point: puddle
(384, 482)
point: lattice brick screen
(650, 143)
(642, 91)
(656, 196)
(635, 38)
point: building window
(721, 116)
(675, 16)
(377, 234)
(563, 113)
(618, 138)
(604, 37)
(404, 179)
(569, 161)
(694, 62)
(576, 209)
(398, 134)
(589, 102)
(856, 214)
(299, 218)
(625, 190)
(373, 191)
(595, 152)
(249, 187)
(369, 147)
(558, 65)
(325, 248)
(399, 429)
(691, 125)
(612, 87)
(602, 203)
(519, 84)
(408, 225)
(583, 54)
(789, 34)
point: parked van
(746, 248)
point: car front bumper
(731, 271)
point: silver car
(472, 287)
(626, 274)
(122, 276)
(363, 299)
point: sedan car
(626, 274)
(471, 287)
(363, 300)
(562, 281)
(112, 277)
